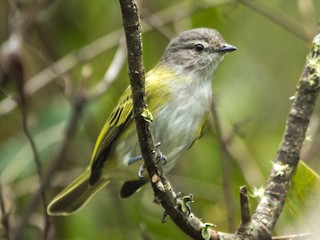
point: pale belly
(175, 128)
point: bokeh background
(66, 47)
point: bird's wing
(119, 117)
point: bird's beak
(226, 48)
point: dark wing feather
(118, 119)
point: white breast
(176, 125)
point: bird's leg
(164, 215)
(141, 170)
(135, 159)
(159, 156)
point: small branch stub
(244, 206)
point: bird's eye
(198, 47)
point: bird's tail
(75, 195)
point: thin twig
(20, 21)
(225, 159)
(39, 171)
(77, 108)
(4, 215)
(16, 70)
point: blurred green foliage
(251, 88)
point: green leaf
(147, 115)
(304, 196)
(205, 230)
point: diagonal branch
(161, 186)
(288, 154)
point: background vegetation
(252, 90)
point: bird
(179, 97)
